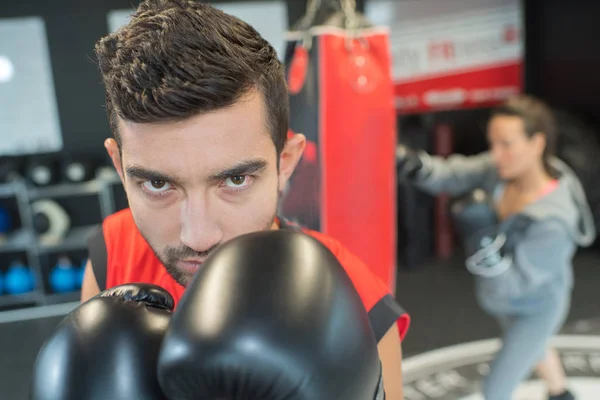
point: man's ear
(290, 156)
(112, 149)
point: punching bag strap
(308, 19)
(352, 23)
(312, 8)
(349, 9)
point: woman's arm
(455, 175)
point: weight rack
(92, 201)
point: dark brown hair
(537, 118)
(179, 58)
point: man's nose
(200, 230)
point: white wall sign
(458, 54)
(29, 120)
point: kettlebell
(42, 171)
(77, 168)
(63, 277)
(9, 170)
(19, 279)
(50, 221)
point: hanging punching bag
(341, 98)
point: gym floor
(439, 297)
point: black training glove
(107, 348)
(271, 316)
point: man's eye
(236, 181)
(156, 186)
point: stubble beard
(170, 256)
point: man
(198, 104)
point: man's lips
(190, 266)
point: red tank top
(130, 259)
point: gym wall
(558, 60)
(563, 57)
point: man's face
(197, 183)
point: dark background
(562, 57)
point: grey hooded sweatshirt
(539, 242)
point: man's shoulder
(380, 303)
(120, 228)
(127, 255)
(333, 244)
(120, 232)
(369, 286)
(120, 218)
(346, 257)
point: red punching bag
(341, 97)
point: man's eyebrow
(248, 167)
(148, 174)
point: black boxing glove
(271, 316)
(106, 348)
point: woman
(523, 261)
